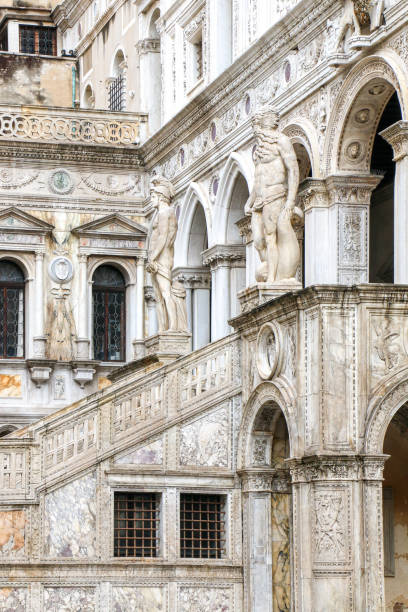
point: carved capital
(265, 480)
(148, 45)
(397, 136)
(193, 278)
(313, 194)
(373, 466)
(224, 255)
(324, 468)
(351, 189)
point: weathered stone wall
(29, 79)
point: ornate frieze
(324, 468)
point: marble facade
(286, 399)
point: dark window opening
(11, 311)
(38, 40)
(117, 94)
(4, 39)
(136, 525)
(108, 314)
(202, 530)
(382, 201)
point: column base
(257, 294)
(168, 345)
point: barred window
(38, 40)
(117, 94)
(202, 526)
(136, 529)
(108, 314)
(11, 310)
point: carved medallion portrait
(269, 351)
(61, 270)
(61, 182)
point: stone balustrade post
(397, 136)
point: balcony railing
(64, 125)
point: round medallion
(61, 270)
(269, 351)
(61, 182)
(377, 89)
(362, 116)
(354, 151)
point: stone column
(373, 548)
(313, 200)
(256, 491)
(345, 253)
(150, 70)
(337, 535)
(82, 341)
(138, 342)
(151, 311)
(397, 136)
(39, 339)
(197, 283)
(223, 260)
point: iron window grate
(38, 40)
(202, 526)
(117, 94)
(136, 525)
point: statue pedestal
(168, 345)
(257, 294)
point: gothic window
(108, 314)
(38, 40)
(136, 525)
(202, 526)
(11, 310)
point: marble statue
(170, 295)
(271, 203)
(349, 21)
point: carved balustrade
(70, 126)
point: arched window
(108, 314)
(117, 87)
(11, 310)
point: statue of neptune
(170, 295)
(271, 203)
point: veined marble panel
(280, 552)
(149, 454)
(205, 441)
(70, 528)
(142, 599)
(68, 599)
(10, 386)
(204, 599)
(13, 599)
(12, 524)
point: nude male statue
(171, 308)
(271, 203)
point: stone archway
(264, 446)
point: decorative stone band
(397, 136)
(224, 255)
(267, 481)
(340, 467)
(78, 126)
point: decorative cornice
(313, 194)
(193, 278)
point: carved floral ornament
(269, 353)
